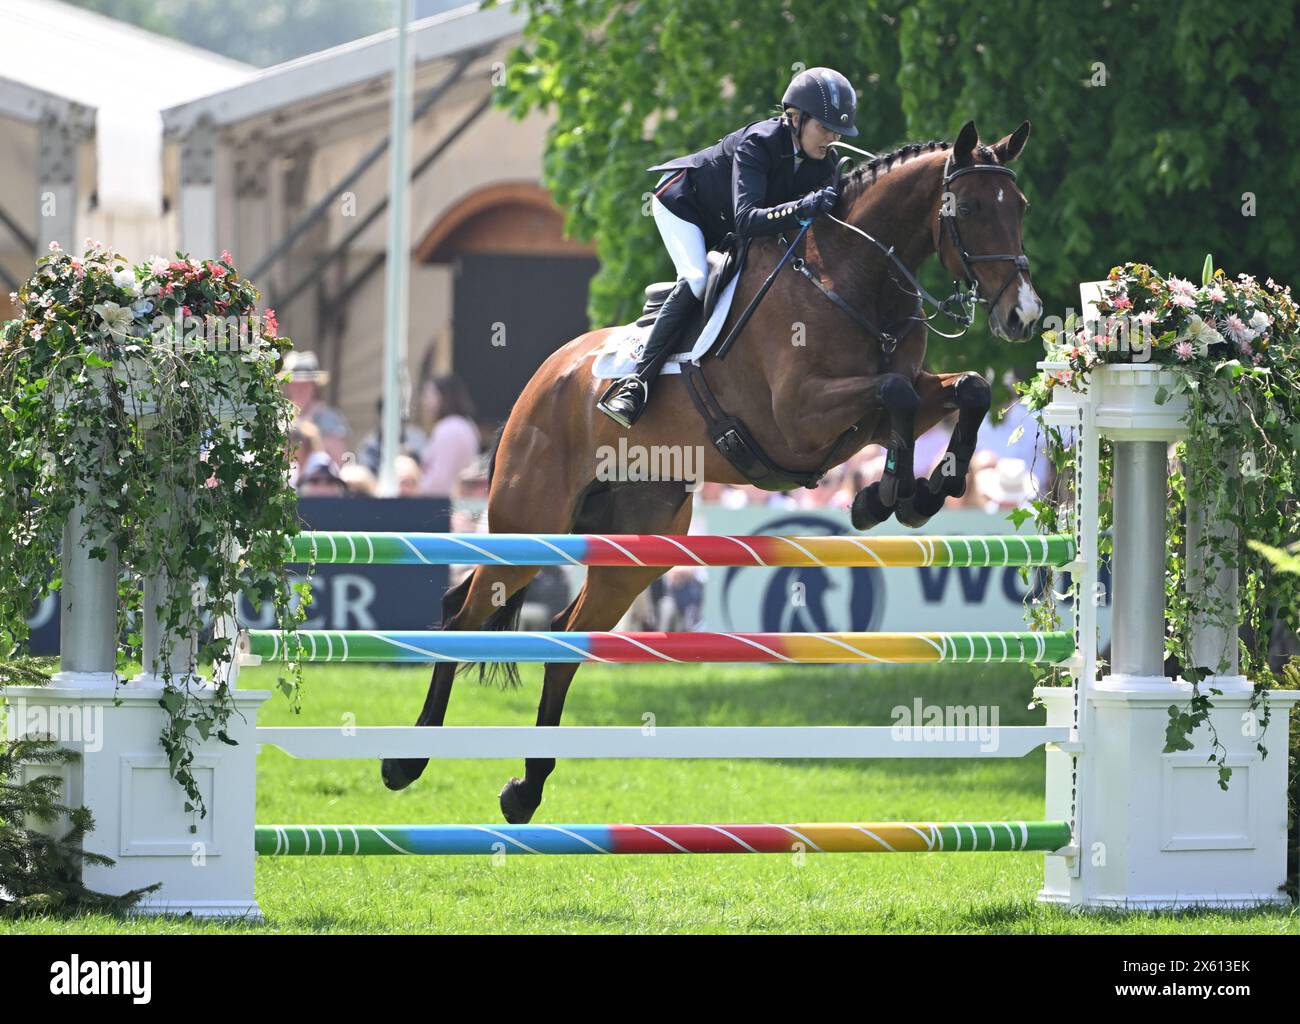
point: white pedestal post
(139, 809)
(205, 864)
(1152, 829)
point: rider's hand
(821, 201)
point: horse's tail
(504, 618)
(493, 448)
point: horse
(813, 376)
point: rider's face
(814, 139)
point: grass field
(844, 893)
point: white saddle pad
(622, 349)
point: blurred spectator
(454, 441)
(679, 605)
(412, 441)
(304, 442)
(998, 438)
(320, 478)
(408, 477)
(306, 379)
(358, 479)
(1007, 485)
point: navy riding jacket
(744, 184)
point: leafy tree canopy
(1161, 132)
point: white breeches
(685, 242)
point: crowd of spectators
(442, 447)
(439, 444)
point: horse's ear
(963, 149)
(1009, 148)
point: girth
(740, 448)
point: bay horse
(799, 400)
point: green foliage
(148, 397)
(40, 873)
(1194, 112)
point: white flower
(116, 318)
(1259, 322)
(125, 279)
(1200, 334)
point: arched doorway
(519, 287)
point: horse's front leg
(970, 395)
(847, 400)
(897, 485)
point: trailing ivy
(149, 395)
(1234, 349)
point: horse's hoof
(868, 508)
(953, 485)
(400, 772)
(920, 509)
(514, 805)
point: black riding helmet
(827, 96)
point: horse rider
(759, 180)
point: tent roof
(86, 57)
(366, 63)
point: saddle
(729, 435)
(724, 264)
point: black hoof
(398, 772)
(515, 805)
(922, 507)
(868, 508)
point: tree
(1160, 132)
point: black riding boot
(624, 401)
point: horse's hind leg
(489, 590)
(971, 396)
(605, 596)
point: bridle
(960, 305)
(949, 220)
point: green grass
(846, 893)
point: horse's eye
(964, 209)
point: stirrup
(617, 386)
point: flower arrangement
(1147, 317)
(1234, 349)
(148, 394)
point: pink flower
(1257, 358)
(1123, 302)
(1064, 375)
(217, 270)
(1216, 294)
(1185, 301)
(1244, 347)
(226, 257)
(1181, 286)
(1237, 329)
(1146, 318)
(158, 266)
(1184, 351)
(272, 324)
